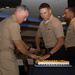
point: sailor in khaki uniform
(69, 15)
(8, 33)
(10, 36)
(50, 29)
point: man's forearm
(37, 42)
(58, 45)
(27, 47)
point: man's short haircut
(22, 7)
(44, 5)
(72, 9)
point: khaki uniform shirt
(9, 31)
(70, 35)
(50, 30)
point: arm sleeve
(15, 31)
(38, 32)
(58, 29)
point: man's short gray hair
(22, 7)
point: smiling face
(45, 13)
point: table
(51, 70)
(22, 70)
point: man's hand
(32, 50)
(33, 56)
(38, 49)
(44, 57)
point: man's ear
(50, 11)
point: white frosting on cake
(52, 62)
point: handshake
(38, 54)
